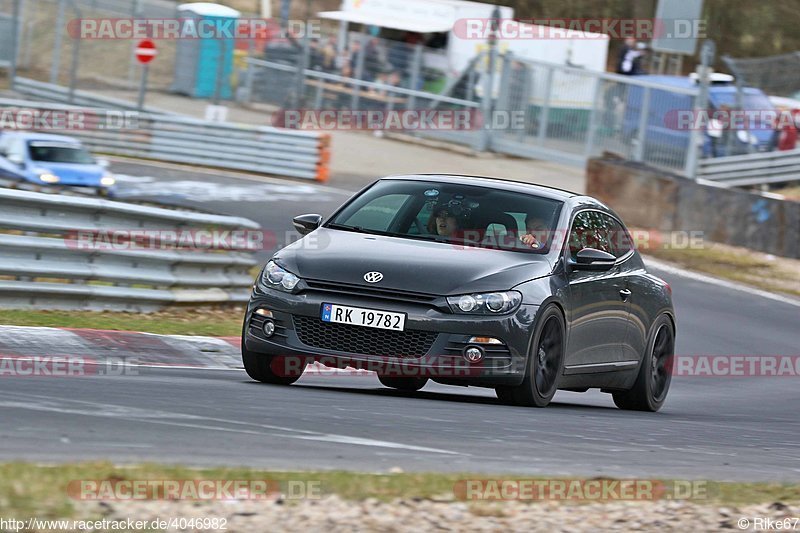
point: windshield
(453, 213)
(750, 101)
(59, 153)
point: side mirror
(593, 259)
(305, 224)
(102, 163)
(17, 159)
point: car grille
(360, 340)
(350, 289)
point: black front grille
(349, 289)
(360, 340)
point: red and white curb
(137, 348)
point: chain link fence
(776, 75)
(538, 110)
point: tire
(262, 368)
(655, 372)
(505, 395)
(545, 362)
(404, 384)
(265, 368)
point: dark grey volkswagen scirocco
(467, 281)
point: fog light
(269, 328)
(473, 354)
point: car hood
(72, 173)
(407, 264)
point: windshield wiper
(359, 229)
(356, 229)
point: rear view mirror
(16, 159)
(593, 259)
(305, 224)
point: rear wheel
(545, 362)
(404, 384)
(655, 372)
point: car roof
(497, 183)
(33, 136)
(686, 82)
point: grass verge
(212, 321)
(36, 490)
(763, 271)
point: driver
(537, 230)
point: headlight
(47, 177)
(276, 277)
(492, 303)
(107, 180)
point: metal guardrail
(752, 169)
(47, 92)
(63, 252)
(178, 139)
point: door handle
(624, 293)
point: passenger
(537, 231)
(444, 223)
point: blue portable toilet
(199, 62)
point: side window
(588, 231)
(379, 213)
(617, 236)
(592, 229)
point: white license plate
(358, 316)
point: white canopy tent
(384, 21)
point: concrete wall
(654, 199)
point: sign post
(145, 53)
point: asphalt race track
(723, 428)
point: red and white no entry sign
(146, 51)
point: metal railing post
(15, 22)
(700, 106)
(544, 117)
(641, 134)
(76, 56)
(592, 131)
(416, 68)
(248, 84)
(55, 66)
(359, 70)
(484, 139)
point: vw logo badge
(373, 277)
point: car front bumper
(432, 344)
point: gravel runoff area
(332, 514)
